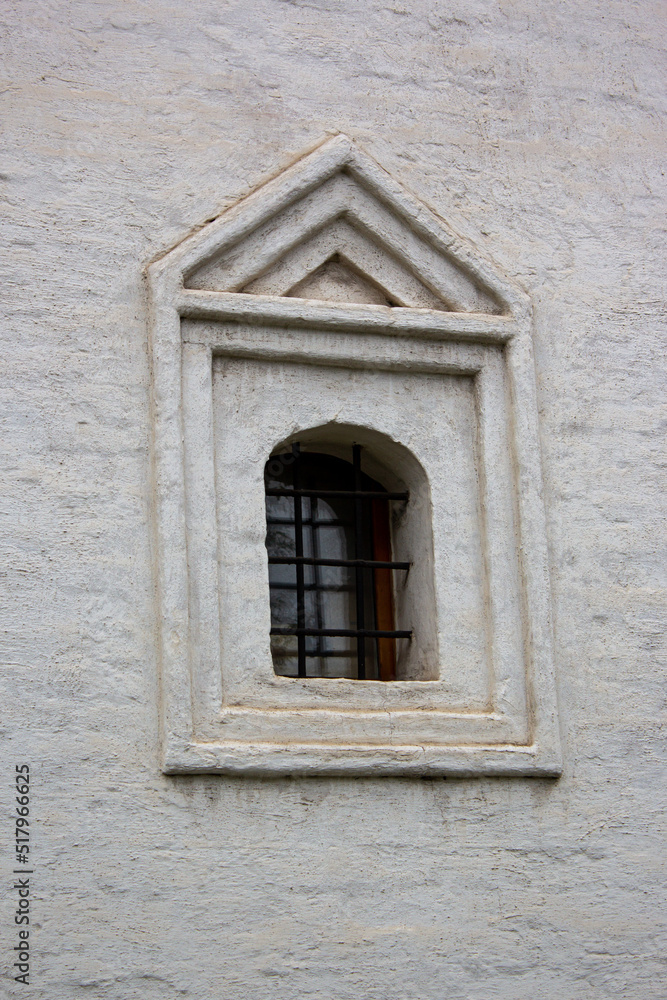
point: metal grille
(360, 567)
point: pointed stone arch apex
(336, 204)
(337, 280)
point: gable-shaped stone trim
(216, 296)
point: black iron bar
(374, 600)
(360, 563)
(352, 633)
(343, 654)
(358, 535)
(338, 494)
(325, 588)
(309, 523)
(315, 547)
(298, 544)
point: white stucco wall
(534, 129)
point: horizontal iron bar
(338, 494)
(353, 633)
(324, 588)
(306, 522)
(350, 654)
(309, 561)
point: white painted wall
(534, 129)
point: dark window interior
(330, 568)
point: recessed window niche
(344, 557)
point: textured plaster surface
(535, 130)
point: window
(330, 308)
(330, 568)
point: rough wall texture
(535, 130)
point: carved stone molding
(330, 298)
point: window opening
(331, 568)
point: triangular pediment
(336, 281)
(336, 228)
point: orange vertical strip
(384, 599)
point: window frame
(190, 328)
(370, 557)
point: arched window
(331, 568)
(331, 309)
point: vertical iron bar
(358, 535)
(374, 581)
(317, 592)
(383, 590)
(298, 544)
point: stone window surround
(192, 326)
